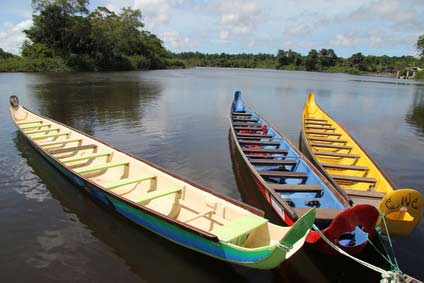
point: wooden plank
(253, 135)
(240, 114)
(43, 131)
(29, 123)
(296, 188)
(321, 128)
(344, 167)
(128, 181)
(323, 133)
(238, 227)
(273, 162)
(247, 124)
(155, 194)
(316, 120)
(366, 194)
(238, 119)
(353, 179)
(265, 150)
(197, 216)
(336, 154)
(249, 142)
(284, 174)
(97, 167)
(36, 126)
(327, 140)
(70, 149)
(50, 136)
(327, 145)
(321, 213)
(60, 142)
(238, 128)
(318, 123)
(85, 157)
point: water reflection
(87, 100)
(415, 115)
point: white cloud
(12, 36)
(175, 40)
(155, 11)
(345, 40)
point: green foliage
(420, 46)
(21, 64)
(311, 61)
(5, 55)
(419, 75)
(36, 50)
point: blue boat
(291, 184)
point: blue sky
(375, 27)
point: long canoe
(348, 167)
(292, 185)
(175, 208)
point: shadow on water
(149, 256)
(307, 265)
(415, 116)
(87, 100)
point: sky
(373, 27)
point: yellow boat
(349, 168)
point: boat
(177, 209)
(347, 166)
(291, 184)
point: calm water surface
(50, 232)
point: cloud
(155, 11)
(12, 36)
(175, 40)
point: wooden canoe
(348, 167)
(170, 206)
(291, 184)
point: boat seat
(273, 162)
(317, 123)
(321, 128)
(284, 174)
(154, 194)
(238, 227)
(238, 128)
(96, 167)
(28, 123)
(128, 181)
(315, 120)
(241, 114)
(366, 194)
(323, 133)
(265, 150)
(238, 119)
(200, 215)
(244, 135)
(70, 149)
(327, 140)
(251, 124)
(326, 145)
(321, 213)
(43, 131)
(85, 157)
(286, 188)
(51, 136)
(344, 167)
(59, 142)
(276, 143)
(36, 126)
(354, 179)
(336, 154)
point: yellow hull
(347, 165)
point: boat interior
(282, 168)
(146, 186)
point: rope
(395, 265)
(283, 247)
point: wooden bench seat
(283, 174)
(36, 126)
(265, 150)
(326, 145)
(273, 162)
(199, 215)
(128, 181)
(321, 213)
(239, 119)
(366, 194)
(250, 142)
(317, 123)
(296, 188)
(85, 157)
(327, 140)
(315, 120)
(71, 149)
(321, 128)
(154, 194)
(247, 124)
(354, 179)
(323, 133)
(102, 166)
(241, 114)
(238, 227)
(50, 136)
(43, 131)
(238, 128)
(63, 142)
(336, 154)
(344, 167)
(29, 123)
(253, 135)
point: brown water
(178, 119)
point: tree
(357, 61)
(294, 57)
(311, 60)
(327, 58)
(70, 7)
(5, 55)
(420, 46)
(282, 59)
